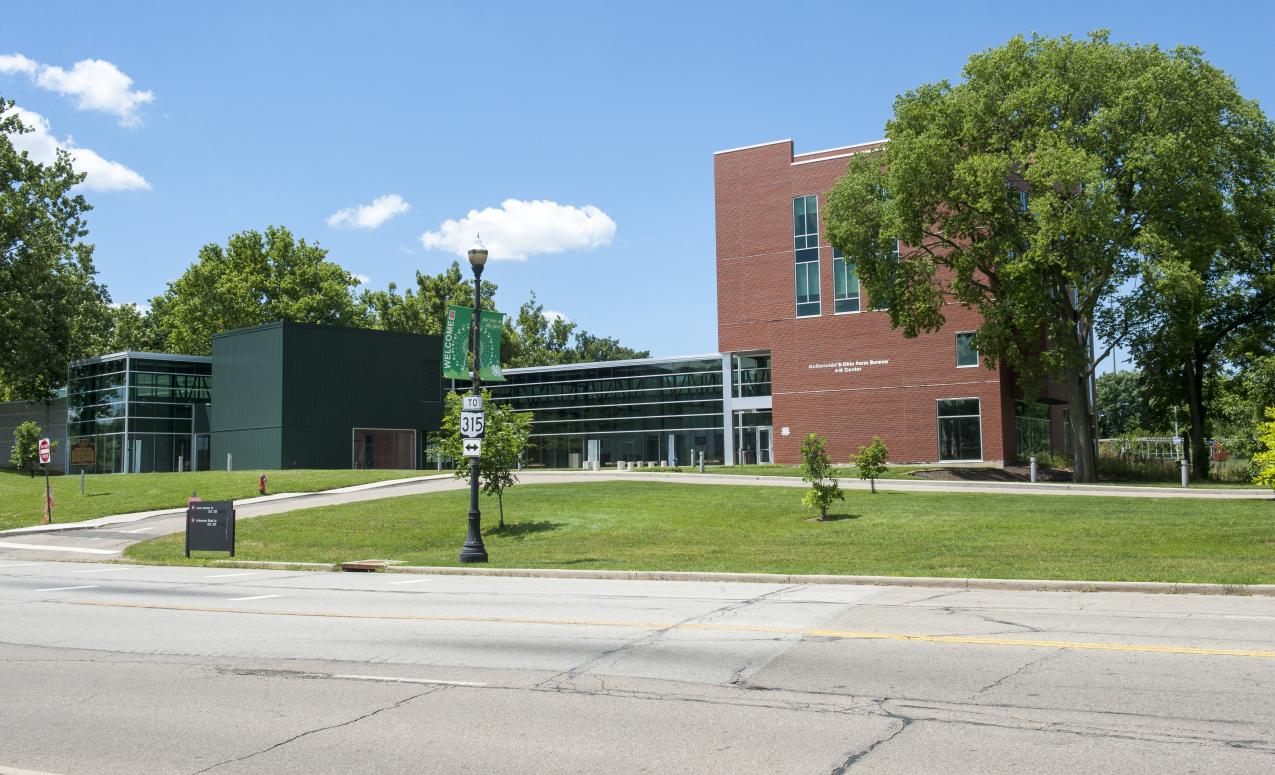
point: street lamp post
(473, 550)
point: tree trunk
(1080, 407)
(500, 498)
(1195, 409)
(873, 482)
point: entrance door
(763, 443)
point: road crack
(316, 730)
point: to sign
(45, 453)
(471, 403)
(472, 447)
(472, 425)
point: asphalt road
(118, 669)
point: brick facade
(845, 376)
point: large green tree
(1206, 297)
(49, 298)
(530, 338)
(423, 310)
(1031, 191)
(255, 278)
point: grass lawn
(669, 526)
(21, 497)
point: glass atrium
(142, 411)
(654, 410)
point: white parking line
(60, 589)
(22, 565)
(256, 597)
(102, 570)
(231, 575)
(411, 581)
(81, 550)
(139, 530)
(407, 680)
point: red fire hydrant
(261, 484)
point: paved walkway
(106, 537)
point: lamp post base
(473, 549)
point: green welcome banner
(456, 342)
(490, 324)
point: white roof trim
(142, 354)
(839, 155)
(840, 148)
(756, 145)
(597, 364)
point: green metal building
(293, 395)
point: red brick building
(791, 311)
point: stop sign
(45, 454)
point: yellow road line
(965, 640)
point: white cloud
(362, 278)
(369, 216)
(141, 306)
(520, 229)
(94, 84)
(16, 63)
(101, 174)
(552, 315)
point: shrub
(871, 461)
(816, 470)
(1264, 461)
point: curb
(1024, 585)
(926, 581)
(931, 582)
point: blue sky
(277, 113)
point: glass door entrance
(763, 443)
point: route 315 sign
(472, 425)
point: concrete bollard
(1186, 479)
(230, 460)
(1033, 469)
(701, 461)
(179, 464)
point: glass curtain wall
(653, 411)
(142, 411)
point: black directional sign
(210, 527)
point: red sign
(45, 453)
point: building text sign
(848, 366)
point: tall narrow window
(845, 284)
(805, 228)
(966, 354)
(960, 432)
(881, 301)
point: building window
(960, 432)
(845, 284)
(966, 354)
(882, 301)
(1034, 427)
(805, 229)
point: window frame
(938, 429)
(858, 293)
(806, 238)
(898, 254)
(978, 358)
